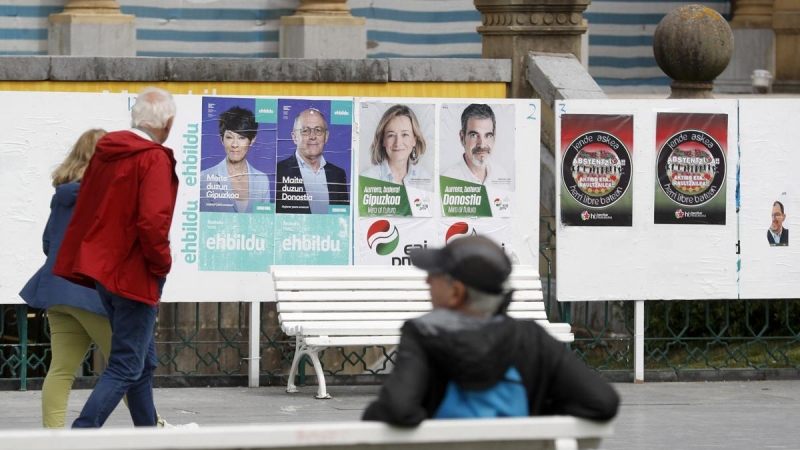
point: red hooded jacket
(119, 232)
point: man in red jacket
(117, 242)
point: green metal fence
(202, 344)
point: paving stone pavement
(654, 416)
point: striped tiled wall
(620, 33)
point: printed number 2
(532, 115)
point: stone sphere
(693, 43)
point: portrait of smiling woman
(234, 185)
(397, 148)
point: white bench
(547, 432)
(331, 306)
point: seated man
(467, 358)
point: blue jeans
(130, 365)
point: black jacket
(288, 195)
(447, 345)
(784, 237)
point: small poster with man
(477, 147)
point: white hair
(482, 304)
(153, 108)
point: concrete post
(751, 14)
(755, 45)
(786, 23)
(513, 28)
(323, 29)
(693, 44)
(91, 28)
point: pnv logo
(383, 237)
(421, 205)
(458, 230)
(501, 204)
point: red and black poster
(691, 168)
(596, 170)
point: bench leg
(322, 391)
(566, 444)
(312, 352)
(299, 351)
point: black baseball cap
(473, 260)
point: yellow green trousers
(72, 331)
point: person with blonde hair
(75, 313)
(396, 149)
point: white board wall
(38, 129)
(681, 262)
(648, 261)
(770, 136)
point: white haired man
(117, 243)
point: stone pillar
(513, 28)
(755, 45)
(91, 28)
(323, 29)
(786, 23)
(693, 44)
(751, 14)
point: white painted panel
(648, 261)
(770, 159)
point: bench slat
(350, 285)
(342, 341)
(285, 307)
(518, 432)
(372, 284)
(379, 295)
(337, 273)
(370, 316)
(392, 340)
(354, 328)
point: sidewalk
(654, 416)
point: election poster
(597, 170)
(396, 159)
(691, 168)
(312, 200)
(477, 159)
(235, 191)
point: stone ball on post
(693, 44)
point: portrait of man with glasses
(307, 183)
(777, 235)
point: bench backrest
(552, 432)
(376, 300)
